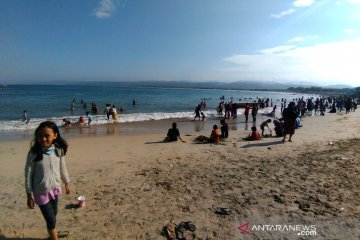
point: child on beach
(255, 135)
(202, 116)
(263, 125)
(90, 118)
(81, 121)
(45, 169)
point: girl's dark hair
(59, 142)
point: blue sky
(294, 41)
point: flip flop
(170, 230)
(63, 234)
(223, 211)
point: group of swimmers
(109, 111)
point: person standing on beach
(107, 111)
(73, 105)
(197, 112)
(90, 118)
(247, 110)
(254, 111)
(45, 170)
(224, 129)
(114, 113)
(25, 118)
(290, 114)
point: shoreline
(185, 125)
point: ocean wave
(19, 125)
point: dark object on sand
(223, 211)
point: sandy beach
(135, 185)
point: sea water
(53, 102)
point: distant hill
(241, 85)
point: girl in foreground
(45, 169)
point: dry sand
(134, 186)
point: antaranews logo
(244, 228)
(299, 229)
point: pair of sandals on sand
(172, 231)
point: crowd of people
(284, 125)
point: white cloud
(283, 13)
(296, 4)
(277, 49)
(349, 31)
(296, 39)
(106, 9)
(335, 62)
(303, 3)
(303, 39)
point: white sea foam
(19, 125)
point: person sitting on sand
(263, 125)
(173, 134)
(279, 128)
(215, 135)
(255, 135)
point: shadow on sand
(16, 238)
(262, 144)
(155, 142)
